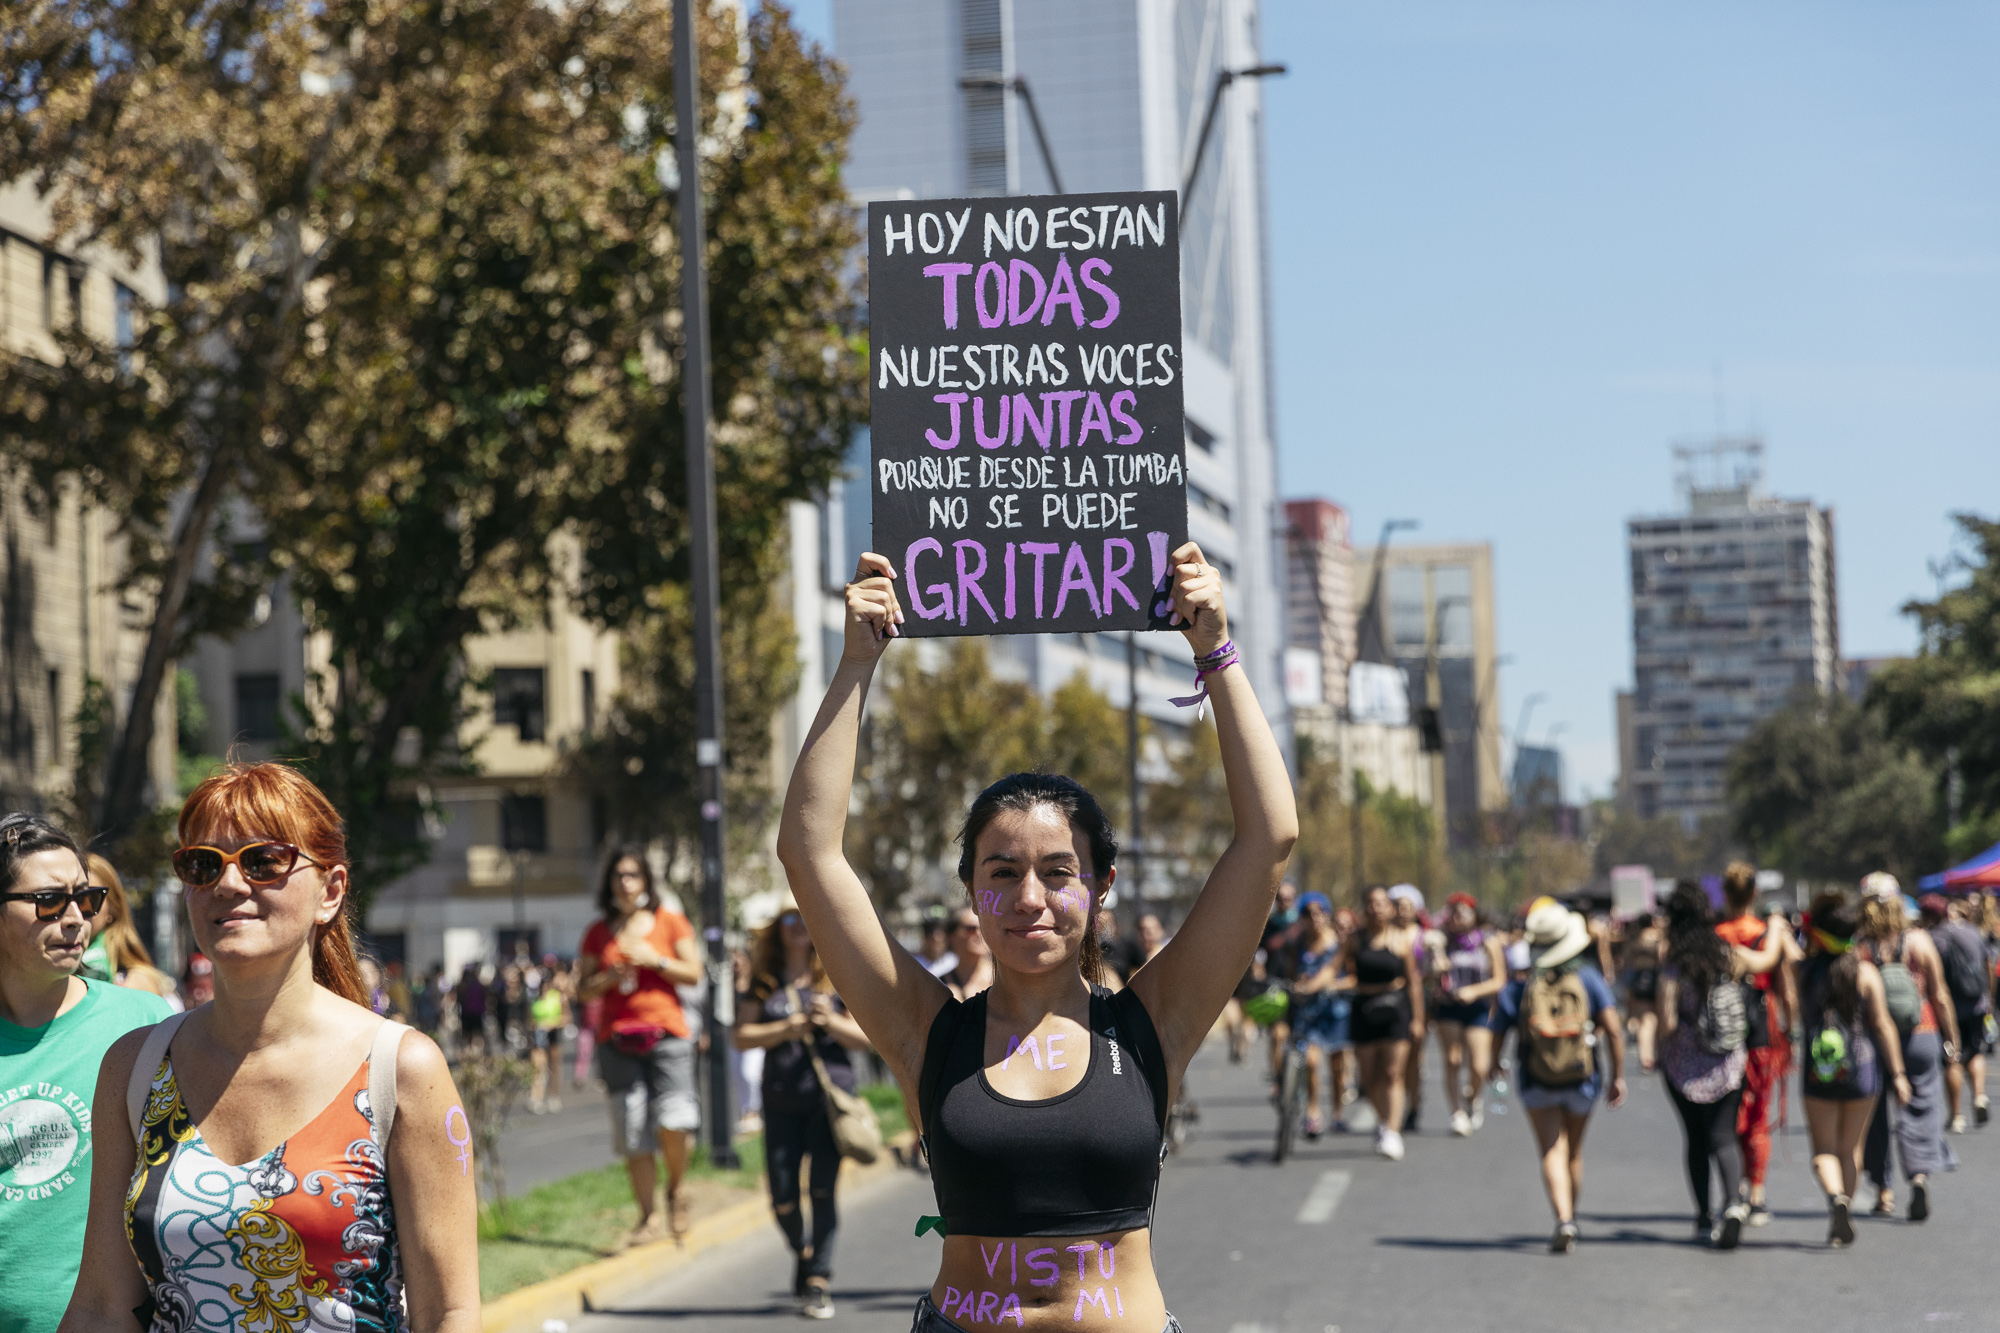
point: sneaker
(1410, 1121)
(1730, 1233)
(1314, 1127)
(649, 1230)
(1839, 1225)
(1478, 1117)
(1981, 1111)
(818, 1302)
(1920, 1201)
(1704, 1226)
(1958, 1124)
(1461, 1124)
(1564, 1241)
(1390, 1145)
(1885, 1206)
(1760, 1215)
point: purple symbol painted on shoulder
(464, 1145)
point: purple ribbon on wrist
(1204, 667)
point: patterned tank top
(302, 1240)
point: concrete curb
(600, 1285)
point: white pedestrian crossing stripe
(1325, 1197)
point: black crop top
(1081, 1164)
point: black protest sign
(1029, 470)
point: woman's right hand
(1903, 1090)
(873, 612)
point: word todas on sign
(1029, 469)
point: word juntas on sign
(1027, 392)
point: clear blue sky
(1513, 243)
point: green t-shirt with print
(48, 1076)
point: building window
(524, 823)
(1212, 504)
(589, 700)
(257, 707)
(520, 701)
(125, 322)
(985, 108)
(1200, 436)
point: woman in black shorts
(1388, 1013)
(1042, 1099)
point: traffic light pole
(720, 1003)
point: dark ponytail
(1840, 919)
(1026, 791)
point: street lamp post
(1223, 78)
(1018, 84)
(1371, 617)
(716, 1008)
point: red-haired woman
(300, 1162)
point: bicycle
(1291, 1099)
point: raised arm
(1185, 987)
(889, 992)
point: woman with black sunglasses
(54, 1029)
(289, 1158)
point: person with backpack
(1705, 1018)
(1772, 1001)
(1968, 980)
(1565, 1011)
(1913, 988)
(1848, 1037)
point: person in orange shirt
(1770, 1023)
(632, 960)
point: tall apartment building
(1121, 89)
(514, 853)
(61, 619)
(1733, 609)
(1435, 615)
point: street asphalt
(1453, 1238)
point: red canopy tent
(1981, 872)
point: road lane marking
(1325, 1197)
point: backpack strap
(382, 1082)
(1127, 1022)
(151, 1052)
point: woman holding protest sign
(1043, 1099)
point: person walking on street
(1565, 1011)
(1968, 981)
(1281, 959)
(1645, 941)
(1704, 1021)
(1043, 1100)
(1388, 1018)
(281, 1157)
(1414, 932)
(1848, 1037)
(549, 1015)
(632, 959)
(1475, 971)
(1772, 1000)
(1914, 991)
(1323, 1005)
(791, 1013)
(55, 1027)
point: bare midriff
(1050, 1282)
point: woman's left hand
(1197, 597)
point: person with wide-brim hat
(1566, 1011)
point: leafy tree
(1661, 843)
(933, 740)
(1322, 861)
(1945, 701)
(1822, 791)
(422, 326)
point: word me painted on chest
(1029, 457)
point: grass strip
(551, 1229)
(565, 1224)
